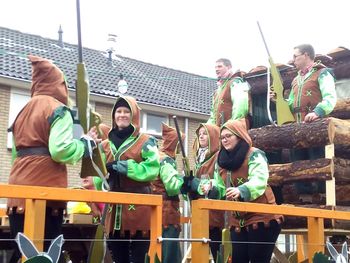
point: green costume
(312, 92)
(231, 98)
(133, 162)
(43, 144)
(315, 91)
(169, 184)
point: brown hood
(47, 79)
(104, 129)
(239, 128)
(135, 113)
(170, 140)
(214, 141)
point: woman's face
(228, 139)
(122, 117)
(203, 137)
(87, 182)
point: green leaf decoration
(319, 257)
(156, 259)
(147, 259)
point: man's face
(221, 70)
(299, 59)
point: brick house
(161, 92)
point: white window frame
(144, 117)
(17, 104)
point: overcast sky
(188, 35)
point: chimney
(112, 39)
(110, 51)
(60, 38)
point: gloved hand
(190, 186)
(186, 186)
(89, 144)
(110, 168)
(116, 170)
(213, 193)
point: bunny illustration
(28, 250)
(339, 258)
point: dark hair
(225, 61)
(306, 48)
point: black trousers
(215, 234)
(53, 228)
(171, 251)
(128, 249)
(254, 245)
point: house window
(152, 123)
(18, 100)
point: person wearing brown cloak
(132, 160)
(43, 144)
(253, 235)
(169, 184)
(231, 99)
(206, 147)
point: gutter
(18, 83)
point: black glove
(89, 144)
(114, 174)
(186, 186)
(213, 193)
(112, 170)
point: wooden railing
(36, 198)
(315, 221)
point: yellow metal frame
(315, 219)
(36, 197)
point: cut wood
(341, 109)
(341, 170)
(320, 169)
(295, 222)
(301, 135)
(312, 170)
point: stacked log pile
(330, 132)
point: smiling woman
(122, 115)
(132, 160)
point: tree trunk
(342, 151)
(320, 169)
(341, 171)
(341, 109)
(309, 195)
(342, 194)
(301, 135)
(312, 170)
(291, 222)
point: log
(311, 170)
(341, 109)
(301, 135)
(319, 170)
(341, 171)
(342, 151)
(294, 222)
(290, 195)
(342, 194)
